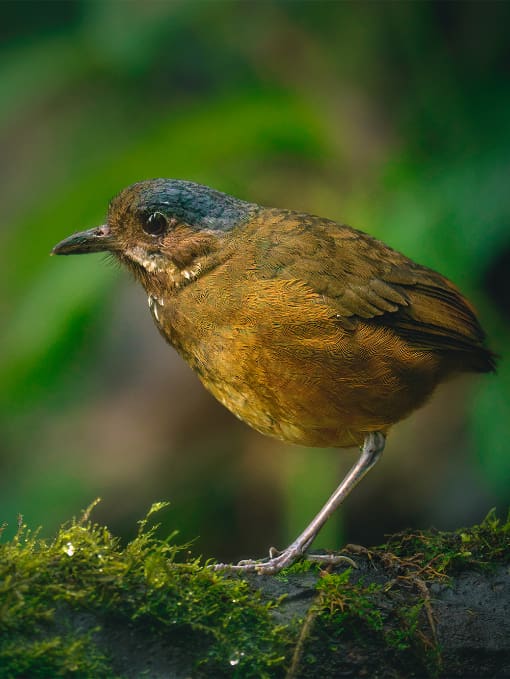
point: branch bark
(424, 605)
(379, 625)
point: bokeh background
(390, 116)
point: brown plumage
(308, 330)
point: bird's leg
(373, 447)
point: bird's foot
(278, 560)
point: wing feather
(364, 280)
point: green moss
(377, 621)
(47, 589)
(59, 656)
(438, 554)
(82, 605)
(391, 624)
(298, 568)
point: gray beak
(99, 239)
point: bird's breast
(272, 353)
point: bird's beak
(99, 239)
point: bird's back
(363, 280)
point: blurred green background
(393, 117)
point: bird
(308, 330)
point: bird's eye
(155, 224)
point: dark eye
(155, 224)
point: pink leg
(370, 453)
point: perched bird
(308, 330)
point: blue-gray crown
(196, 204)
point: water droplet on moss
(236, 657)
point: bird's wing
(362, 279)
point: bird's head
(163, 229)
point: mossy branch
(425, 604)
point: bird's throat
(151, 262)
(158, 272)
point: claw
(280, 560)
(263, 566)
